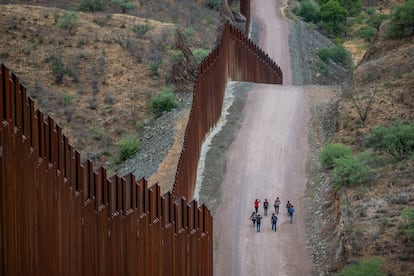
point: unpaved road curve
(274, 33)
(266, 159)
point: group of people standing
(257, 218)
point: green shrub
(396, 139)
(354, 7)
(59, 69)
(402, 20)
(200, 54)
(309, 11)
(336, 53)
(321, 67)
(408, 224)
(154, 65)
(295, 10)
(350, 171)
(372, 159)
(93, 5)
(69, 21)
(66, 99)
(366, 32)
(128, 146)
(376, 19)
(213, 4)
(176, 55)
(367, 267)
(333, 16)
(371, 10)
(140, 29)
(331, 152)
(165, 101)
(98, 132)
(125, 5)
(189, 33)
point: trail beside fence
(59, 216)
(235, 58)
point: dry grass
(106, 94)
(101, 66)
(357, 48)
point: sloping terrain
(96, 74)
(99, 100)
(383, 87)
(356, 223)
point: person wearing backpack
(253, 218)
(258, 222)
(291, 210)
(274, 221)
(288, 205)
(256, 204)
(265, 206)
(276, 205)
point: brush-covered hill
(365, 219)
(95, 72)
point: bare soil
(262, 152)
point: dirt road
(267, 158)
(274, 33)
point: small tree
(69, 21)
(309, 11)
(366, 32)
(58, 69)
(402, 20)
(93, 5)
(333, 16)
(354, 7)
(376, 19)
(125, 5)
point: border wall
(245, 10)
(61, 217)
(235, 58)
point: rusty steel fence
(245, 10)
(235, 58)
(61, 217)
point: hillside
(367, 220)
(95, 73)
(372, 214)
